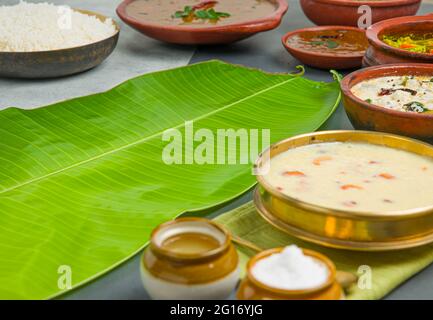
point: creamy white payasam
(354, 176)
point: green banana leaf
(82, 182)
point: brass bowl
(58, 63)
(366, 231)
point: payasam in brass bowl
(364, 202)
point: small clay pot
(381, 53)
(252, 289)
(366, 116)
(323, 60)
(177, 275)
(209, 35)
(338, 12)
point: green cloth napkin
(388, 269)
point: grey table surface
(137, 54)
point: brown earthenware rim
(346, 135)
(316, 53)
(375, 31)
(185, 256)
(382, 3)
(87, 12)
(385, 70)
(314, 254)
(257, 25)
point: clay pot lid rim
(380, 27)
(290, 34)
(346, 86)
(256, 25)
(223, 247)
(371, 3)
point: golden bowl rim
(389, 215)
(340, 244)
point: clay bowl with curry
(328, 47)
(400, 40)
(195, 22)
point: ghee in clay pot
(190, 258)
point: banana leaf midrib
(145, 138)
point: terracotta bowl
(209, 35)
(341, 12)
(58, 63)
(366, 116)
(323, 60)
(380, 53)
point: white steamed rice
(39, 27)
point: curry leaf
(212, 14)
(331, 44)
(415, 106)
(223, 14)
(317, 43)
(188, 9)
(82, 182)
(179, 14)
(202, 14)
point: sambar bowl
(379, 52)
(366, 116)
(324, 60)
(218, 34)
(338, 228)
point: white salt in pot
(252, 288)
